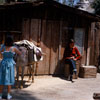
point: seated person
(71, 55)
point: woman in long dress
(7, 66)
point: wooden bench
(66, 70)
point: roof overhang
(52, 3)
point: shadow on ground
(23, 95)
(18, 85)
(20, 94)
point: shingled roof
(49, 3)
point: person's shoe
(9, 97)
(71, 78)
(0, 96)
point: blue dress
(7, 68)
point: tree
(96, 6)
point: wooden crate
(88, 72)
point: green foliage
(64, 1)
(96, 6)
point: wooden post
(38, 41)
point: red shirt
(72, 52)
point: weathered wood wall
(52, 36)
(50, 28)
(48, 34)
(95, 42)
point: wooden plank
(34, 30)
(25, 29)
(64, 41)
(97, 45)
(61, 51)
(44, 65)
(41, 65)
(48, 46)
(34, 33)
(55, 47)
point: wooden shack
(49, 25)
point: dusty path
(55, 88)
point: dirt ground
(56, 88)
